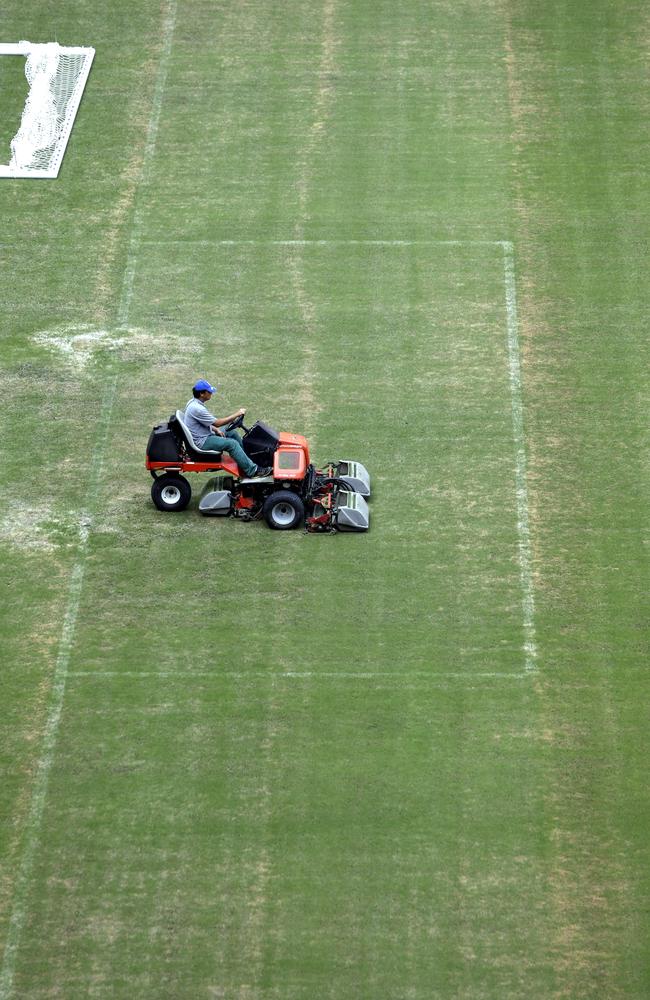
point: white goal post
(57, 76)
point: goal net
(57, 76)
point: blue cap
(203, 386)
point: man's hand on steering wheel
(237, 422)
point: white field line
(327, 243)
(521, 488)
(135, 242)
(275, 675)
(61, 672)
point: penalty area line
(524, 548)
(135, 242)
(521, 487)
(325, 243)
(274, 675)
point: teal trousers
(231, 444)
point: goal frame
(52, 171)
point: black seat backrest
(176, 428)
(181, 432)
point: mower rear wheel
(171, 492)
(283, 510)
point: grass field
(407, 765)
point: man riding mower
(264, 474)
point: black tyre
(283, 510)
(171, 492)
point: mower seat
(178, 425)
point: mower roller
(331, 498)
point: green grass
(242, 764)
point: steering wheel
(236, 423)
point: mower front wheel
(283, 510)
(171, 492)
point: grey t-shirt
(199, 421)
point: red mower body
(293, 492)
(290, 459)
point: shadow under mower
(329, 499)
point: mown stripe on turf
(39, 792)
(61, 673)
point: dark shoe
(260, 473)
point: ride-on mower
(332, 498)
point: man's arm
(222, 421)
